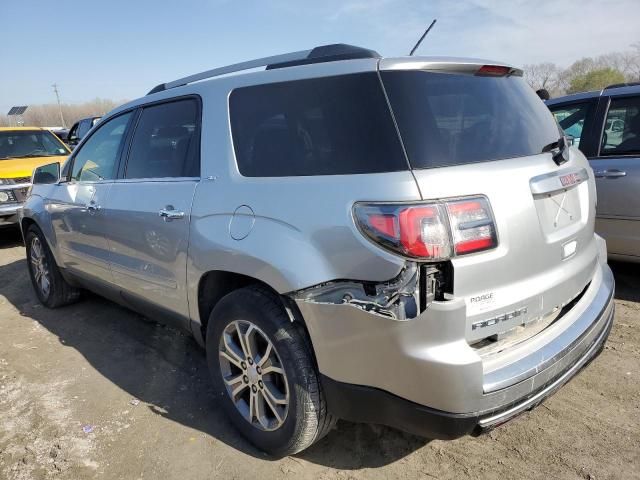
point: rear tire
(52, 289)
(252, 318)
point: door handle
(169, 213)
(610, 173)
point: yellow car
(21, 150)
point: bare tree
(542, 75)
(48, 115)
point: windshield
(29, 143)
(454, 119)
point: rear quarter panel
(302, 232)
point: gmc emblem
(569, 179)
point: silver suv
(404, 241)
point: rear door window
(166, 142)
(323, 126)
(454, 119)
(572, 118)
(621, 133)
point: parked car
(404, 241)
(606, 127)
(60, 132)
(21, 150)
(79, 129)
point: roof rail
(618, 85)
(325, 53)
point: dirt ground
(95, 391)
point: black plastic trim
(329, 53)
(158, 88)
(357, 403)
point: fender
(35, 209)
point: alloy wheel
(39, 267)
(254, 377)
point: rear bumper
(445, 390)
(371, 405)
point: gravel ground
(96, 391)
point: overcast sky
(119, 49)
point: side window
(97, 158)
(326, 126)
(572, 118)
(621, 133)
(166, 142)
(83, 128)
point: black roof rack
(618, 85)
(325, 53)
(329, 53)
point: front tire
(262, 365)
(51, 288)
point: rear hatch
(471, 131)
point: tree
(595, 80)
(543, 75)
(48, 115)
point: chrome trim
(592, 352)
(562, 350)
(10, 209)
(550, 182)
(16, 186)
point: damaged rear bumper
(422, 376)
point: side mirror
(46, 174)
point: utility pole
(55, 89)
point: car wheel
(263, 368)
(51, 288)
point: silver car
(405, 241)
(606, 127)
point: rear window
(324, 126)
(454, 119)
(166, 142)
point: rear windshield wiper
(558, 149)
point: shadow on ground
(166, 370)
(627, 280)
(10, 237)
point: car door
(149, 207)
(76, 203)
(616, 167)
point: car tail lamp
(493, 71)
(432, 231)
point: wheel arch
(215, 284)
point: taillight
(493, 71)
(431, 231)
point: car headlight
(4, 196)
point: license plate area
(560, 198)
(558, 210)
